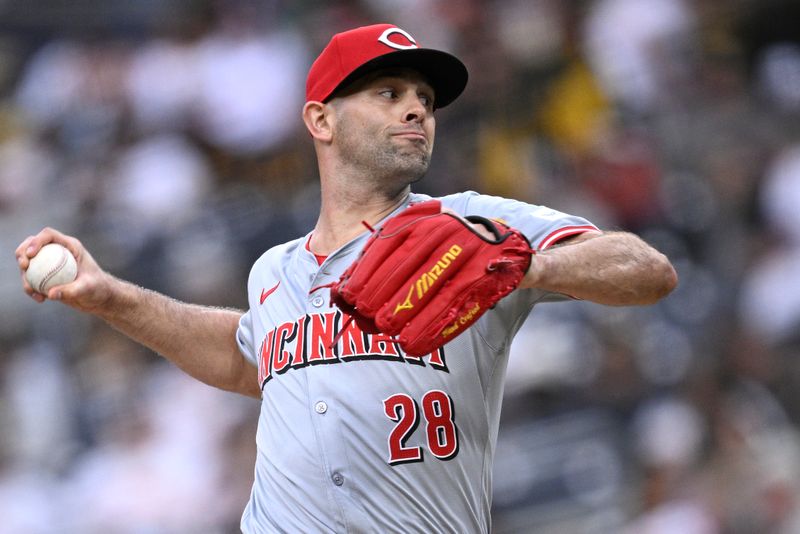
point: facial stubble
(386, 159)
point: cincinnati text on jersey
(428, 278)
(309, 340)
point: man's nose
(415, 112)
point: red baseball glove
(427, 275)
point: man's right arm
(200, 340)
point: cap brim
(445, 72)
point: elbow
(673, 279)
(665, 278)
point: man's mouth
(411, 134)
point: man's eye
(389, 93)
(426, 100)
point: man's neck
(343, 211)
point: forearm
(615, 268)
(199, 340)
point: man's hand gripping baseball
(201, 340)
(90, 290)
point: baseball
(53, 265)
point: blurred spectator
(161, 85)
(250, 82)
(770, 302)
(635, 46)
(157, 185)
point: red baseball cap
(352, 54)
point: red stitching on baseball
(54, 271)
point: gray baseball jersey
(356, 436)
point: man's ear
(316, 115)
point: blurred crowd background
(166, 135)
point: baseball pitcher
(378, 342)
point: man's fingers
(65, 291)
(73, 291)
(29, 290)
(72, 244)
(25, 285)
(32, 244)
(22, 252)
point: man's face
(384, 123)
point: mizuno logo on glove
(428, 278)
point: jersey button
(338, 479)
(321, 407)
(318, 301)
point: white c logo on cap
(384, 38)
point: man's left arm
(613, 268)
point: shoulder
(474, 203)
(277, 255)
(542, 225)
(457, 202)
